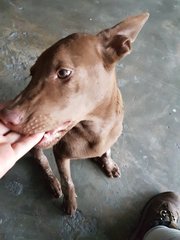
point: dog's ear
(116, 41)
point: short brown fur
(87, 103)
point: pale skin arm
(13, 146)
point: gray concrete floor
(148, 152)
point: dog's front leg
(67, 184)
(44, 163)
(108, 165)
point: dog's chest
(87, 140)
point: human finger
(24, 144)
(3, 129)
(7, 158)
(12, 137)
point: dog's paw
(70, 206)
(69, 201)
(55, 187)
(109, 167)
(112, 170)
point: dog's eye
(64, 73)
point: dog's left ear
(116, 41)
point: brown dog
(73, 97)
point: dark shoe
(163, 209)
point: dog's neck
(110, 105)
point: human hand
(13, 146)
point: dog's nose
(11, 116)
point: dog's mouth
(51, 137)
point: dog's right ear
(116, 41)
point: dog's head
(70, 79)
